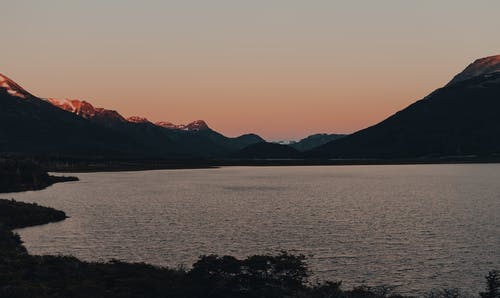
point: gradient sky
(282, 69)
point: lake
(417, 227)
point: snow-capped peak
(166, 124)
(137, 119)
(79, 107)
(86, 110)
(12, 88)
(479, 67)
(197, 125)
(69, 104)
(193, 126)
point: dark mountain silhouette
(229, 144)
(460, 119)
(29, 125)
(71, 127)
(246, 140)
(314, 141)
(265, 150)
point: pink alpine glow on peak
(86, 110)
(166, 124)
(138, 119)
(479, 67)
(12, 88)
(193, 126)
(79, 107)
(197, 125)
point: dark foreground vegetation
(22, 175)
(282, 275)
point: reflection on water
(415, 226)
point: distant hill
(314, 141)
(460, 119)
(265, 150)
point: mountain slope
(245, 140)
(12, 88)
(479, 67)
(30, 125)
(456, 120)
(314, 141)
(88, 111)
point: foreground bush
(492, 285)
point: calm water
(414, 226)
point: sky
(283, 69)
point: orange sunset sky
(281, 69)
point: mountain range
(459, 119)
(71, 127)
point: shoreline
(30, 186)
(141, 165)
(18, 175)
